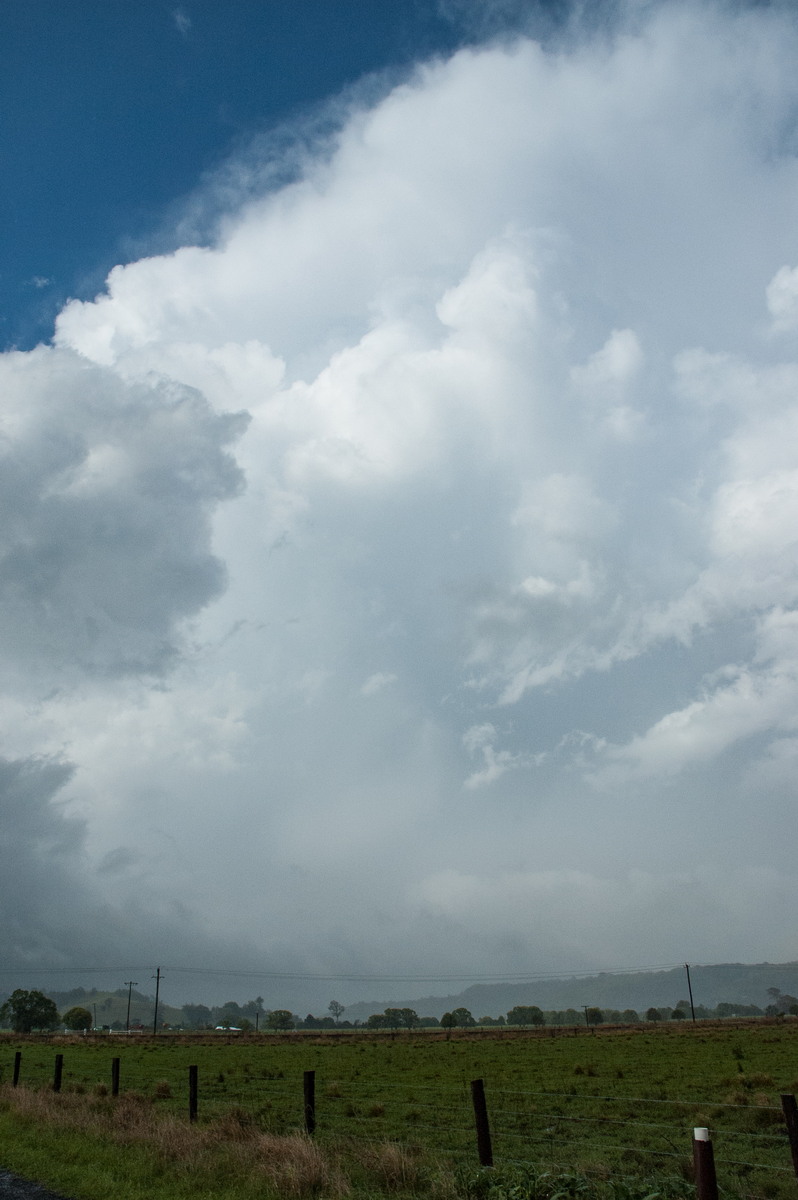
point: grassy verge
(90, 1148)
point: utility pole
(157, 990)
(129, 984)
(690, 991)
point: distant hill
(111, 1007)
(736, 983)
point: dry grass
(296, 1166)
(291, 1165)
(394, 1168)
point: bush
(77, 1018)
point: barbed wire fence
(469, 1122)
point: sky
(399, 492)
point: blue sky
(114, 109)
(398, 564)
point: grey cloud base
(107, 492)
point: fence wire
(529, 1128)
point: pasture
(611, 1107)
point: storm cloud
(107, 489)
(491, 663)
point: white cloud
(782, 298)
(182, 21)
(377, 683)
(739, 703)
(480, 741)
(605, 382)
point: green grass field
(615, 1108)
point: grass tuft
(295, 1166)
(394, 1168)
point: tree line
(29, 1011)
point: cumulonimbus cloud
(518, 357)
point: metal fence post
(17, 1065)
(114, 1076)
(57, 1073)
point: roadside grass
(90, 1148)
(603, 1111)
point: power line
(357, 977)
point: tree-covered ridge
(727, 990)
(731, 983)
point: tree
(409, 1017)
(630, 1016)
(448, 1022)
(281, 1018)
(653, 1014)
(311, 1022)
(525, 1014)
(253, 1008)
(594, 1016)
(462, 1017)
(26, 1011)
(77, 1018)
(197, 1016)
(678, 1014)
(336, 1010)
(229, 1014)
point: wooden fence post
(193, 1093)
(57, 1073)
(309, 1092)
(114, 1076)
(484, 1148)
(17, 1065)
(706, 1181)
(790, 1110)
